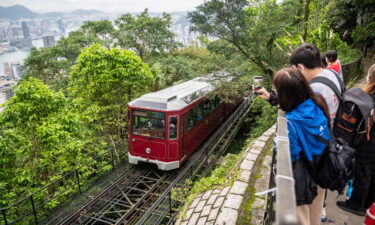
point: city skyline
(108, 6)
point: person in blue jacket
(308, 117)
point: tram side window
(192, 118)
(149, 123)
(199, 114)
(183, 124)
(216, 102)
(206, 107)
(173, 127)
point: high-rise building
(61, 26)
(48, 41)
(25, 30)
(16, 71)
(45, 24)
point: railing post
(78, 181)
(34, 210)
(4, 216)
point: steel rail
(125, 199)
(83, 209)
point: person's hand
(263, 93)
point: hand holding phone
(257, 85)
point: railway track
(125, 199)
(143, 194)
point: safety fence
(36, 207)
(352, 70)
(281, 206)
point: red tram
(167, 126)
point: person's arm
(270, 97)
(273, 100)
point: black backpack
(354, 118)
(336, 165)
(355, 104)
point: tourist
(307, 115)
(333, 62)
(363, 194)
(306, 59)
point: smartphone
(257, 84)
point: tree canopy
(104, 81)
(145, 34)
(251, 26)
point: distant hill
(53, 14)
(85, 12)
(16, 11)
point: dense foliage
(71, 104)
(41, 139)
(144, 34)
(102, 82)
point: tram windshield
(149, 123)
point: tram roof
(179, 96)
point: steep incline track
(125, 199)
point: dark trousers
(363, 194)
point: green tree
(146, 35)
(48, 65)
(103, 30)
(251, 26)
(355, 21)
(52, 65)
(103, 81)
(40, 140)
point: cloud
(106, 5)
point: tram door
(173, 137)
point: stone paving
(221, 206)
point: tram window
(199, 114)
(192, 118)
(149, 123)
(173, 127)
(183, 124)
(205, 107)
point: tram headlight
(148, 150)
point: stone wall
(221, 206)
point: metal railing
(286, 208)
(282, 207)
(351, 70)
(37, 206)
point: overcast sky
(42, 6)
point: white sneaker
(324, 215)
